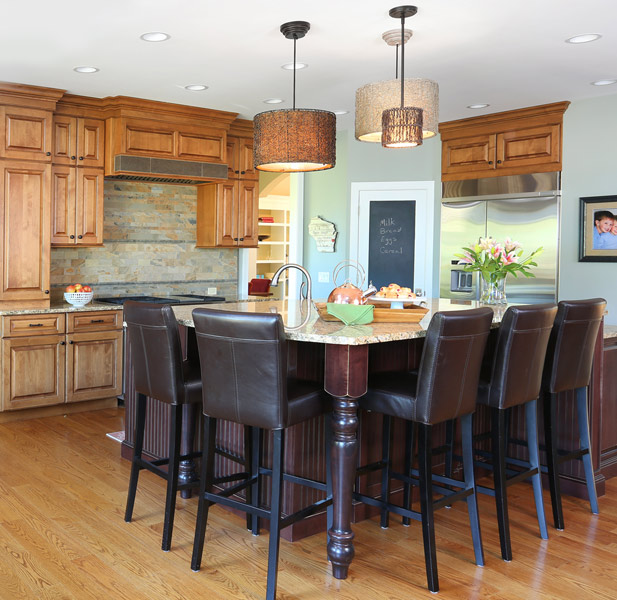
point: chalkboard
(392, 232)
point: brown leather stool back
(519, 355)
(571, 345)
(244, 365)
(156, 352)
(450, 366)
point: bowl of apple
(78, 295)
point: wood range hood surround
(146, 140)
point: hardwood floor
(62, 536)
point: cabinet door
(248, 213)
(89, 207)
(25, 133)
(468, 155)
(25, 231)
(90, 143)
(63, 205)
(148, 138)
(233, 165)
(535, 146)
(227, 214)
(32, 371)
(64, 140)
(245, 155)
(93, 365)
(201, 144)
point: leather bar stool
(514, 380)
(244, 362)
(443, 388)
(568, 367)
(161, 373)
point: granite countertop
(329, 332)
(60, 307)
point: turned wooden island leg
(346, 371)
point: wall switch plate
(211, 291)
(323, 277)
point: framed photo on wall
(598, 229)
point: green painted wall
(589, 169)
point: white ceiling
(505, 53)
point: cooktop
(177, 299)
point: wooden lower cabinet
(33, 371)
(39, 369)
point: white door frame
(423, 192)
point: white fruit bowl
(78, 298)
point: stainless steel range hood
(145, 168)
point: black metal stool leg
(140, 425)
(205, 485)
(256, 440)
(248, 452)
(531, 423)
(472, 499)
(275, 511)
(409, 443)
(499, 438)
(173, 470)
(583, 432)
(552, 458)
(425, 468)
(450, 433)
(386, 446)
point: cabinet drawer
(22, 325)
(104, 320)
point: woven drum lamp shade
(294, 140)
(372, 99)
(401, 127)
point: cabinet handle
(80, 236)
(81, 158)
(63, 343)
(73, 157)
(97, 320)
(47, 291)
(35, 325)
(47, 153)
(72, 237)
(498, 162)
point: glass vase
(493, 291)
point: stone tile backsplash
(149, 248)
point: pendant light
(297, 139)
(402, 127)
(372, 99)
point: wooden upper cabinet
(233, 166)
(25, 231)
(240, 158)
(248, 213)
(201, 144)
(25, 133)
(78, 142)
(148, 138)
(528, 140)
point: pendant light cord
(396, 70)
(402, 62)
(294, 92)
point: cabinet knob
(72, 237)
(71, 342)
(47, 153)
(63, 343)
(236, 171)
(490, 162)
(73, 157)
(81, 158)
(235, 239)
(498, 162)
(241, 239)
(79, 237)
(242, 172)
(47, 291)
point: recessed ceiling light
(290, 66)
(85, 69)
(584, 38)
(478, 105)
(340, 112)
(273, 100)
(604, 82)
(155, 36)
(196, 87)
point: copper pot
(348, 293)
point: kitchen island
(342, 356)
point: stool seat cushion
(392, 394)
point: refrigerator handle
(462, 204)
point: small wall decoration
(324, 233)
(598, 229)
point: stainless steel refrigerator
(525, 208)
